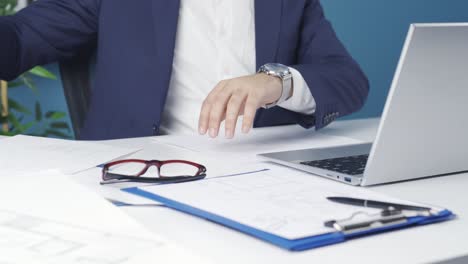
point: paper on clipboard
(280, 201)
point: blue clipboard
(295, 244)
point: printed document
(281, 201)
(33, 154)
(46, 218)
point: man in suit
(159, 62)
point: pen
(376, 204)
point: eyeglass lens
(166, 170)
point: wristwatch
(281, 71)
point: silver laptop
(424, 127)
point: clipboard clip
(362, 221)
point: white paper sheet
(281, 201)
(46, 218)
(259, 140)
(215, 167)
(33, 154)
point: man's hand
(235, 97)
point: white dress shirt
(215, 41)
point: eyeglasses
(167, 171)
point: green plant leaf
(42, 72)
(60, 125)
(16, 125)
(28, 125)
(38, 112)
(56, 133)
(18, 107)
(26, 80)
(3, 119)
(55, 115)
(9, 134)
(15, 84)
(7, 6)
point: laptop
(423, 130)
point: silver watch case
(283, 72)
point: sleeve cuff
(302, 100)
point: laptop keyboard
(352, 165)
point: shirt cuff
(302, 101)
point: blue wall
(373, 31)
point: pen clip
(362, 221)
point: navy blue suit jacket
(135, 43)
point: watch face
(277, 67)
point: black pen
(376, 204)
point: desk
(433, 243)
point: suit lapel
(165, 18)
(267, 29)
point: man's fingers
(207, 105)
(251, 106)
(218, 111)
(233, 109)
(204, 116)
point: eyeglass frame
(201, 173)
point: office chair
(76, 81)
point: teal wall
(373, 31)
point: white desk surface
(432, 243)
